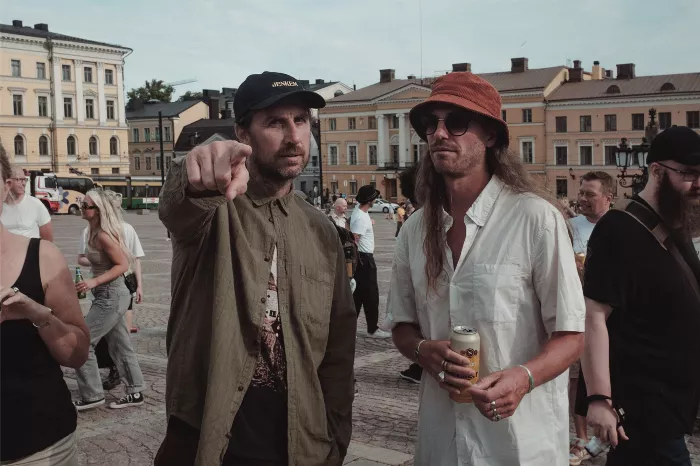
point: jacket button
(272, 220)
(263, 300)
(267, 258)
(240, 388)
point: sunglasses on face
(456, 123)
(85, 206)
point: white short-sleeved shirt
(361, 224)
(25, 217)
(696, 243)
(131, 240)
(582, 232)
(516, 282)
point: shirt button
(460, 417)
(240, 388)
(228, 434)
(267, 258)
(272, 220)
(263, 300)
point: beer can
(467, 342)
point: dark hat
(261, 91)
(468, 91)
(678, 143)
(367, 193)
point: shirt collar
(255, 194)
(481, 209)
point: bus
(43, 187)
(138, 192)
(70, 192)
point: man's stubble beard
(466, 161)
(272, 173)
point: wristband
(617, 408)
(416, 352)
(530, 378)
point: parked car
(383, 206)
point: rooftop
(150, 110)
(41, 30)
(638, 86)
(201, 130)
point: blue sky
(220, 42)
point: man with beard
(643, 313)
(261, 336)
(484, 251)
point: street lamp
(627, 156)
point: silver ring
(498, 417)
(493, 405)
(441, 376)
(495, 412)
(15, 290)
(444, 365)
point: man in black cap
(642, 288)
(367, 291)
(261, 336)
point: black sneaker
(412, 374)
(112, 380)
(135, 399)
(82, 405)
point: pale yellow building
(62, 101)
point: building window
(147, 135)
(137, 163)
(90, 109)
(331, 124)
(527, 115)
(148, 162)
(135, 135)
(372, 122)
(527, 152)
(19, 145)
(115, 170)
(637, 122)
(110, 110)
(562, 155)
(40, 70)
(16, 69)
(302, 187)
(157, 163)
(156, 133)
(372, 154)
(610, 122)
(68, 107)
(693, 119)
(168, 134)
(17, 105)
(353, 187)
(109, 77)
(395, 154)
(94, 171)
(503, 115)
(395, 121)
(113, 146)
(92, 145)
(563, 188)
(332, 155)
(70, 145)
(167, 162)
(351, 123)
(43, 145)
(610, 155)
(561, 124)
(352, 155)
(586, 155)
(664, 120)
(43, 106)
(334, 187)
(87, 74)
(65, 69)
(586, 124)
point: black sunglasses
(85, 206)
(457, 123)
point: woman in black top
(41, 329)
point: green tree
(155, 89)
(189, 95)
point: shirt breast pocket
(496, 292)
(315, 304)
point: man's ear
(492, 138)
(243, 135)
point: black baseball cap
(264, 90)
(678, 143)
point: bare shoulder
(51, 261)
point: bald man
(338, 215)
(23, 214)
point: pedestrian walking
(494, 256)
(109, 259)
(23, 214)
(261, 335)
(41, 329)
(366, 293)
(642, 288)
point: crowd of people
(263, 322)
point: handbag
(131, 282)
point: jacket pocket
(316, 305)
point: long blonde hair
(111, 218)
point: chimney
(304, 83)
(411, 76)
(626, 71)
(354, 87)
(211, 98)
(386, 76)
(17, 23)
(135, 104)
(596, 71)
(226, 114)
(518, 65)
(320, 81)
(576, 73)
(462, 67)
(608, 74)
(42, 27)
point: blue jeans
(106, 319)
(641, 452)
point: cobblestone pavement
(385, 408)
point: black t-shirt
(654, 328)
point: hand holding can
(466, 342)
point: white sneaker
(379, 333)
